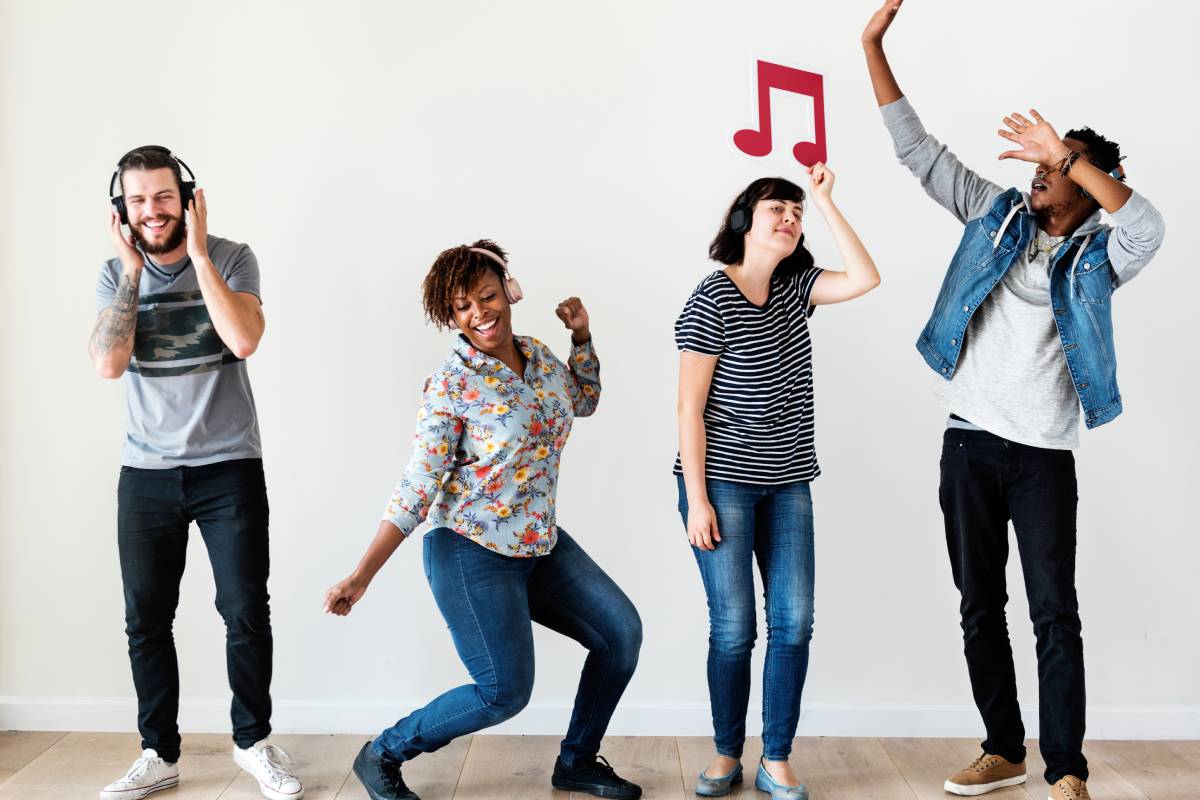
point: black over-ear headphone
(187, 189)
(743, 212)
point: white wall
(349, 145)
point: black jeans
(985, 482)
(228, 501)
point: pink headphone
(512, 289)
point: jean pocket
(426, 543)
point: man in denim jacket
(1020, 339)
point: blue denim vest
(1081, 287)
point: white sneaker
(148, 774)
(267, 763)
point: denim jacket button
(966, 309)
(944, 370)
(954, 342)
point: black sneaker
(593, 775)
(381, 776)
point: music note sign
(757, 143)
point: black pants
(228, 501)
(985, 482)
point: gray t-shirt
(1012, 378)
(188, 398)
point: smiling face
(775, 227)
(484, 315)
(1052, 194)
(155, 209)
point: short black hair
(1103, 153)
(730, 248)
(148, 158)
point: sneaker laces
(139, 768)
(1070, 792)
(277, 761)
(596, 767)
(393, 781)
(983, 763)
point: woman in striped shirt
(746, 457)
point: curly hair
(1102, 152)
(454, 272)
(729, 247)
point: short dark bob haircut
(730, 248)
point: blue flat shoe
(765, 783)
(707, 786)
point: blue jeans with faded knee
(489, 602)
(772, 525)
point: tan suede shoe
(984, 774)
(1069, 788)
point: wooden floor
(45, 765)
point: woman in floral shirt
(484, 471)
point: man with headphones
(179, 312)
(1020, 339)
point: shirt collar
(477, 359)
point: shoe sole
(616, 794)
(720, 793)
(166, 783)
(983, 788)
(264, 790)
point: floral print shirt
(488, 443)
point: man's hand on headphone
(575, 317)
(131, 259)
(197, 227)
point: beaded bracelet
(1070, 161)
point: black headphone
(743, 212)
(187, 189)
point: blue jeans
(489, 602)
(773, 525)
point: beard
(173, 239)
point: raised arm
(236, 316)
(583, 367)
(1139, 227)
(860, 275)
(956, 188)
(111, 342)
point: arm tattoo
(116, 323)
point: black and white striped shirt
(759, 416)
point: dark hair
(1103, 153)
(454, 271)
(149, 157)
(730, 248)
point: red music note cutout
(776, 76)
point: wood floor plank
(651, 762)
(1103, 780)
(926, 763)
(510, 767)
(1160, 770)
(80, 764)
(842, 768)
(696, 752)
(433, 776)
(18, 748)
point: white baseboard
(632, 719)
